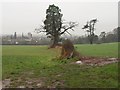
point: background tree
(95, 40)
(15, 35)
(22, 36)
(54, 26)
(103, 37)
(90, 29)
(118, 34)
(111, 38)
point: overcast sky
(26, 16)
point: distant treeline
(109, 37)
(113, 36)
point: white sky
(26, 16)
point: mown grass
(21, 61)
(101, 50)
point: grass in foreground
(33, 65)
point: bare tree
(90, 28)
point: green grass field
(34, 66)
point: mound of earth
(96, 61)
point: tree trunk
(91, 39)
(55, 42)
(91, 42)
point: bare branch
(68, 32)
(85, 26)
(70, 26)
(40, 29)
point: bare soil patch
(97, 61)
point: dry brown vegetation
(68, 50)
